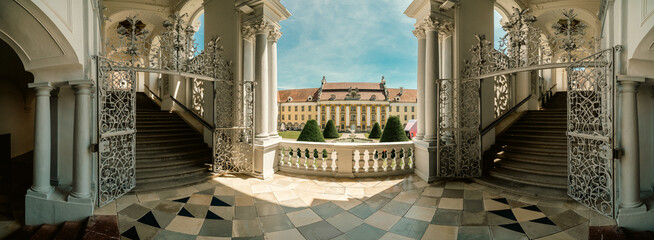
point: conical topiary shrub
(330, 130)
(311, 132)
(393, 132)
(375, 132)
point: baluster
(324, 163)
(366, 157)
(375, 158)
(306, 159)
(384, 160)
(411, 158)
(394, 161)
(289, 160)
(281, 156)
(357, 157)
(402, 157)
(298, 154)
(334, 155)
(315, 156)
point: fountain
(353, 137)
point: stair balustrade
(346, 159)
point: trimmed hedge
(330, 130)
(375, 132)
(393, 132)
(311, 132)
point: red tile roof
(408, 95)
(298, 95)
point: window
(342, 108)
(353, 117)
(296, 108)
(333, 117)
(309, 117)
(383, 116)
(342, 126)
(303, 108)
(397, 108)
(405, 108)
(323, 117)
(295, 117)
(413, 116)
(390, 109)
(342, 117)
(405, 117)
(323, 108)
(302, 117)
(309, 108)
(363, 117)
(413, 109)
(382, 125)
(282, 117)
(316, 116)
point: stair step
(157, 186)
(540, 136)
(25, 232)
(162, 125)
(171, 147)
(69, 230)
(45, 231)
(155, 165)
(173, 155)
(531, 178)
(561, 128)
(546, 151)
(166, 130)
(534, 158)
(530, 141)
(149, 136)
(538, 131)
(167, 173)
(523, 189)
(551, 170)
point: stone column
(319, 117)
(327, 114)
(261, 77)
(431, 27)
(378, 120)
(448, 85)
(248, 56)
(419, 32)
(41, 180)
(368, 117)
(347, 116)
(629, 162)
(274, 35)
(82, 141)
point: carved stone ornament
(248, 32)
(419, 32)
(261, 26)
(274, 34)
(444, 27)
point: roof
(298, 95)
(408, 95)
(347, 85)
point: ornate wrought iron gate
(116, 126)
(459, 140)
(590, 133)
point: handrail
(202, 121)
(153, 94)
(501, 118)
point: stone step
(536, 151)
(166, 130)
(541, 180)
(544, 137)
(45, 232)
(163, 185)
(552, 170)
(172, 155)
(531, 141)
(167, 141)
(560, 128)
(69, 230)
(180, 146)
(164, 174)
(161, 125)
(538, 131)
(157, 164)
(534, 158)
(149, 136)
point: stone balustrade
(346, 159)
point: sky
(499, 32)
(346, 41)
(199, 35)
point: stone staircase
(169, 153)
(94, 227)
(530, 158)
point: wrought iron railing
(346, 159)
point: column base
(265, 156)
(425, 160)
(636, 218)
(44, 195)
(55, 209)
(77, 199)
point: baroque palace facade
(346, 103)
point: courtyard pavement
(307, 207)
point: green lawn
(293, 134)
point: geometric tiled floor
(308, 207)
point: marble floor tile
(425, 201)
(382, 220)
(216, 228)
(285, 195)
(474, 218)
(319, 230)
(275, 223)
(451, 203)
(365, 232)
(439, 232)
(303, 217)
(327, 210)
(363, 210)
(433, 192)
(504, 233)
(474, 233)
(349, 204)
(246, 228)
(410, 228)
(407, 197)
(393, 236)
(344, 221)
(265, 209)
(245, 213)
(420, 213)
(447, 217)
(186, 225)
(290, 234)
(396, 208)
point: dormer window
(289, 99)
(332, 97)
(310, 98)
(397, 98)
(373, 97)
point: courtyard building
(358, 104)
(159, 119)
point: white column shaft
(82, 142)
(447, 74)
(261, 78)
(272, 62)
(368, 116)
(431, 91)
(629, 163)
(358, 116)
(378, 120)
(338, 117)
(42, 141)
(347, 116)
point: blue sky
(347, 41)
(499, 32)
(199, 35)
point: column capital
(41, 87)
(419, 32)
(261, 27)
(248, 32)
(629, 83)
(437, 24)
(274, 34)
